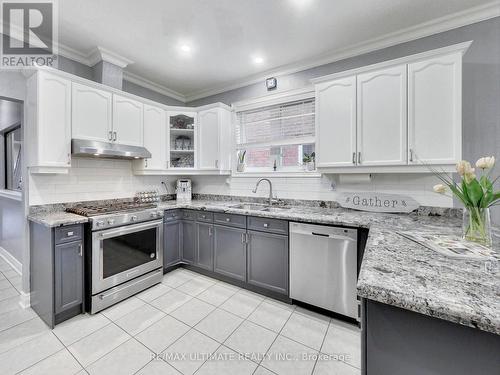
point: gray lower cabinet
(267, 261)
(204, 246)
(172, 249)
(68, 276)
(56, 272)
(188, 241)
(230, 252)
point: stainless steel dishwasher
(323, 267)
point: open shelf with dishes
(182, 128)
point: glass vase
(477, 225)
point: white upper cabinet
(381, 117)
(128, 127)
(155, 139)
(49, 122)
(336, 123)
(91, 113)
(434, 110)
(209, 131)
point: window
(13, 159)
(278, 136)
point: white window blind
(277, 125)
(277, 136)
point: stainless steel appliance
(124, 251)
(184, 192)
(323, 267)
(84, 147)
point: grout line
(321, 346)
(69, 351)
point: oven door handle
(129, 229)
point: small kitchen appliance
(183, 190)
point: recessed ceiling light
(185, 48)
(258, 59)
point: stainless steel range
(124, 251)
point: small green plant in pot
(477, 196)
(308, 161)
(240, 167)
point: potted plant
(241, 161)
(309, 161)
(477, 196)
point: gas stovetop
(117, 214)
(113, 208)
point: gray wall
(481, 83)
(87, 72)
(150, 94)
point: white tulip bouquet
(477, 195)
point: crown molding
(102, 54)
(138, 80)
(438, 25)
(435, 26)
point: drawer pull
(228, 219)
(70, 234)
(266, 225)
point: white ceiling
(225, 35)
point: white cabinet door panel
(91, 113)
(381, 117)
(336, 122)
(208, 140)
(128, 121)
(155, 137)
(54, 121)
(434, 110)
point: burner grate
(90, 210)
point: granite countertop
(395, 270)
(56, 218)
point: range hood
(83, 147)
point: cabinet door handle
(242, 237)
(210, 231)
(80, 250)
(359, 157)
(353, 158)
(110, 135)
(168, 163)
(146, 163)
(216, 164)
(69, 159)
(411, 155)
(115, 137)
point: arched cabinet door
(128, 126)
(434, 110)
(91, 113)
(336, 123)
(381, 117)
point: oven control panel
(125, 218)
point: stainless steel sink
(250, 207)
(275, 209)
(259, 207)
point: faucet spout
(270, 188)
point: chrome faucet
(270, 189)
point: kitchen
(267, 205)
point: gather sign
(377, 202)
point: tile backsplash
(417, 186)
(95, 179)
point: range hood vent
(83, 147)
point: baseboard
(24, 300)
(13, 262)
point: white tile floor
(188, 324)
